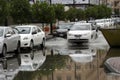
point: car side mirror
(34, 32)
(8, 35)
(68, 29)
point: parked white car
(31, 35)
(9, 41)
(81, 32)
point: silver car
(9, 41)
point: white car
(31, 35)
(9, 41)
(81, 32)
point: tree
(71, 14)
(103, 11)
(36, 12)
(47, 13)
(20, 11)
(59, 11)
(91, 12)
(80, 14)
(3, 11)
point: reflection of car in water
(83, 58)
(78, 55)
(29, 64)
(8, 68)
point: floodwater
(60, 61)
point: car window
(38, 29)
(8, 31)
(81, 27)
(34, 29)
(65, 26)
(23, 30)
(1, 32)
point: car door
(40, 35)
(34, 34)
(9, 40)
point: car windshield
(1, 32)
(65, 26)
(23, 30)
(80, 27)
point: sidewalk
(48, 36)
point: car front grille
(77, 35)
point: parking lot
(60, 61)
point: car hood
(80, 32)
(24, 35)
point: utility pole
(51, 31)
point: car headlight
(25, 38)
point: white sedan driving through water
(81, 32)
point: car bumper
(78, 40)
(25, 43)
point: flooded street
(61, 61)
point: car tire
(43, 44)
(17, 51)
(4, 51)
(31, 45)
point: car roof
(4, 26)
(26, 26)
(82, 23)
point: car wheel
(43, 43)
(4, 51)
(17, 51)
(31, 45)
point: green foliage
(80, 14)
(3, 10)
(59, 11)
(71, 14)
(36, 12)
(20, 11)
(97, 12)
(47, 13)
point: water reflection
(31, 63)
(8, 68)
(59, 64)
